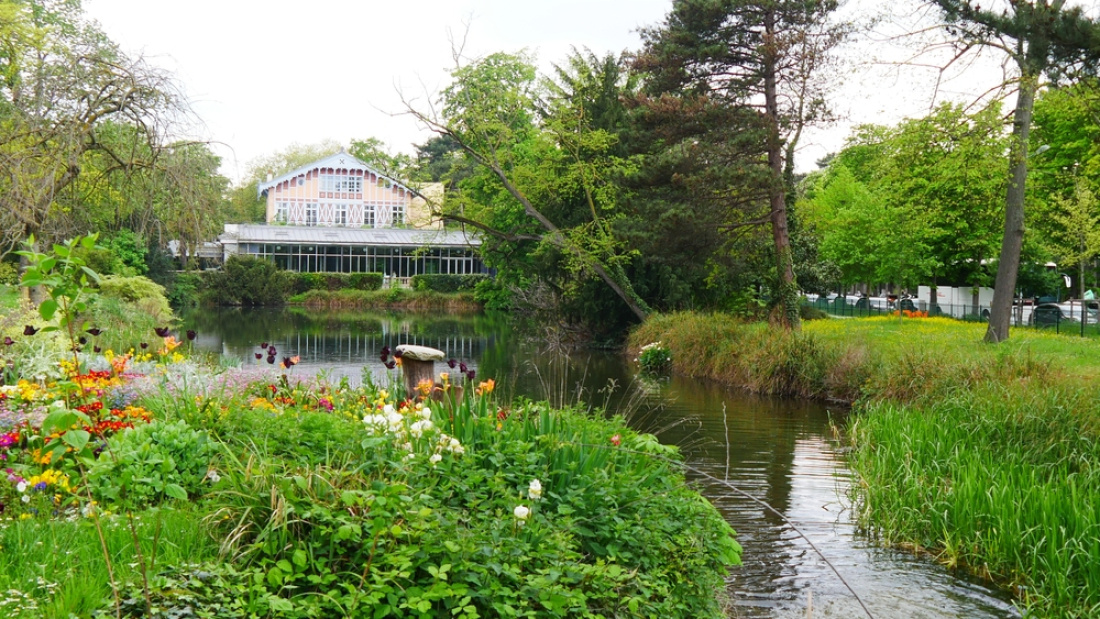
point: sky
(264, 75)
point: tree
(761, 61)
(65, 87)
(527, 150)
(374, 153)
(1077, 239)
(1041, 37)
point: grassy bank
(392, 298)
(983, 456)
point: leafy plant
(655, 358)
(152, 463)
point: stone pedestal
(417, 365)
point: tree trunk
(788, 287)
(1004, 288)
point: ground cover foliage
(146, 484)
(982, 456)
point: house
(339, 215)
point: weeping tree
(65, 92)
(1042, 38)
(754, 70)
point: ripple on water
(782, 453)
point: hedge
(447, 282)
(303, 282)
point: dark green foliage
(304, 282)
(246, 280)
(447, 283)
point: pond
(743, 451)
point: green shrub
(493, 295)
(186, 289)
(447, 282)
(304, 282)
(9, 273)
(143, 293)
(152, 462)
(247, 280)
(365, 281)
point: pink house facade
(340, 190)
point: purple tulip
(94, 331)
(161, 331)
(144, 345)
(29, 330)
(191, 334)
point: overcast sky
(262, 75)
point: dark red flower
(8, 341)
(94, 331)
(470, 374)
(191, 334)
(263, 344)
(462, 367)
(391, 364)
(29, 330)
(288, 362)
(383, 358)
(161, 331)
(271, 359)
(83, 340)
(259, 355)
(97, 349)
(397, 354)
(616, 440)
(451, 363)
(271, 349)
(144, 345)
(385, 351)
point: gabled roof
(340, 160)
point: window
(281, 211)
(311, 214)
(399, 213)
(340, 215)
(368, 215)
(341, 183)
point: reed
(1002, 482)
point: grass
(9, 297)
(984, 456)
(54, 568)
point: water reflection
(781, 452)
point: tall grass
(56, 568)
(984, 456)
(1002, 482)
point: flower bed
(323, 500)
